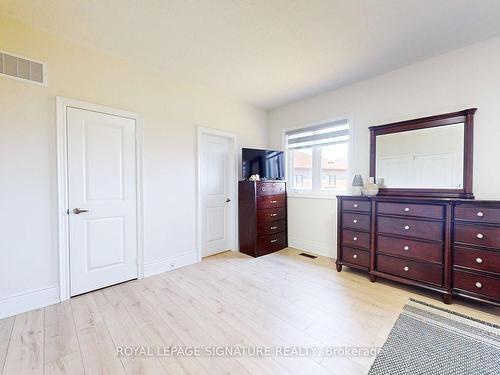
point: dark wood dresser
(451, 246)
(476, 250)
(354, 233)
(262, 217)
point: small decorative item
(254, 177)
(380, 182)
(357, 185)
(370, 188)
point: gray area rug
(429, 340)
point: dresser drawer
(270, 188)
(356, 221)
(270, 227)
(409, 209)
(356, 205)
(419, 250)
(270, 201)
(356, 256)
(355, 238)
(481, 260)
(429, 230)
(480, 235)
(271, 214)
(479, 214)
(270, 243)
(409, 269)
(480, 284)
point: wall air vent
(22, 68)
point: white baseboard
(169, 263)
(27, 301)
(35, 299)
(315, 247)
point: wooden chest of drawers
(476, 250)
(262, 217)
(410, 240)
(354, 216)
(447, 245)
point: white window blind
(325, 134)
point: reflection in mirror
(422, 158)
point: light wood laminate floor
(229, 299)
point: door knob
(228, 200)
(78, 211)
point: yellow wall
(171, 111)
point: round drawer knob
(407, 209)
(263, 189)
(355, 205)
(355, 256)
(479, 285)
(480, 236)
(355, 238)
(355, 221)
(406, 268)
(406, 248)
(407, 227)
(479, 260)
(480, 214)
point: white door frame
(199, 209)
(62, 186)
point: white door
(218, 179)
(102, 199)
(434, 171)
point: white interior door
(434, 170)
(217, 193)
(102, 199)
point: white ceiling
(266, 52)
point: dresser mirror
(430, 156)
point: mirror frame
(466, 117)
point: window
(317, 157)
(329, 181)
(302, 168)
(299, 181)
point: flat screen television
(268, 164)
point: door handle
(228, 200)
(78, 211)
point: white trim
(169, 263)
(27, 301)
(350, 157)
(45, 82)
(234, 139)
(62, 187)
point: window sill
(313, 195)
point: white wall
(469, 77)
(171, 110)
